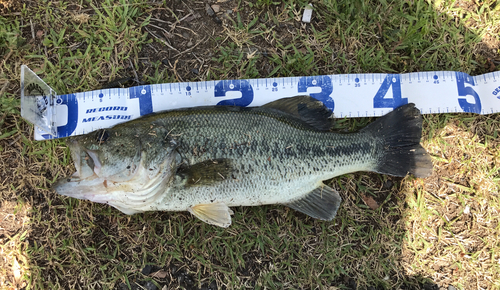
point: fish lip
(76, 155)
(72, 179)
(61, 183)
(66, 186)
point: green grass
(441, 230)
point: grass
(442, 230)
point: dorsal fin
(308, 109)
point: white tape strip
(348, 95)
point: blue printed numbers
(275, 86)
(463, 91)
(243, 86)
(143, 93)
(390, 81)
(325, 83)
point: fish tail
(399, 133)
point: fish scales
(205, 160)
(271, 156)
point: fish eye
(102, 136)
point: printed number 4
(390, 81)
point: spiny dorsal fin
(206, 173)
(321, 203)
(216, 213)
(305, 108)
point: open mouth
(86, 182)
(93, 161)
(127, 184)
(89, 165)
(86, 162)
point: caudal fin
(401, 153)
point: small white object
(306, 17)
(467, 209)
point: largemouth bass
(207, 159)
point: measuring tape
(347, 95)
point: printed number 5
(390, 81)
(463, 91)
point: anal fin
(217, 213)
(321, 203)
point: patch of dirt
(169, 277)
(187, 45)
(13, 218)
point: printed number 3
(390, 81)
(463, 91)
(324, 82)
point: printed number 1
(463, 91)
(143, 93)
(390, 81)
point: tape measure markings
(348, 95)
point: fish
(205, 160)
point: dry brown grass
(14, 262)
(453, 224)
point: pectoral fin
(321, 203)
(217, 214)
(206, 173)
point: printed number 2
(463, 91)
(243, 86)
(390, 81)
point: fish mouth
(81, 184)
(138, 192)
(86, 162)
(94, 160)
